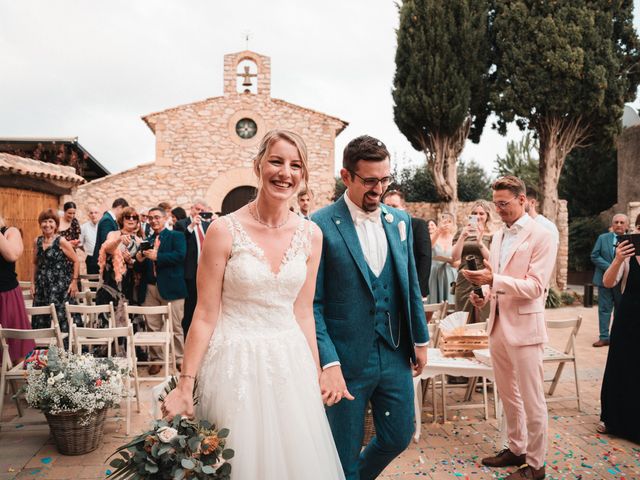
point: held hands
(333, 387)
(624, 250)
(177, 402)
(421, 360)
(73, 287)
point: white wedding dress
(258, 377)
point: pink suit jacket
(519, 289)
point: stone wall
(199, 155)
(431, 211)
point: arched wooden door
(237, 198)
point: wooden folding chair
(46, 310)
(89, 285)
(553, 355)
(91, 318)
(86, 297)
(92, 277)
(10, 373)
(162, 339)
(89, 336)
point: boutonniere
(388, 216)
(402, 229)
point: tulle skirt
(14, 315)
(264, 388)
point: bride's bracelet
(184, 375)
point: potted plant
(74, 392)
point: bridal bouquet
(182, 448)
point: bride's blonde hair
(294, 139)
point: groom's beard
(370, 201)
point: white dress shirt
(88, 234)
(373, 240)
(509, 236)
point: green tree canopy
(520, 160)
(441, 87)
(564, 69)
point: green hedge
(583, 233)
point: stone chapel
(205, 149)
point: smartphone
(633, 238)
(144, 245)
(206, 215)
(473, 221)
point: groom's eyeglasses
(372, 182)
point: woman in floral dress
(55, 276)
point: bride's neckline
(261, 255)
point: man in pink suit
(514, 281)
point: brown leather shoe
(601, 343)
(505, 458)
(525, 472)
(154, 369)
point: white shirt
(373, 240)
(549, 225)
(509, 236)
(88, 234)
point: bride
(252, 342)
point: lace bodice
(254, 298)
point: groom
(370, 323)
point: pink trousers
(520, 381)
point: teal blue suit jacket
(344, 304)
(602, 255)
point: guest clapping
(55, 276)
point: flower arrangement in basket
(182, 448)
(74, 392)
(70, 383)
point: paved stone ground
(450, 450)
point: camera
(206, 215)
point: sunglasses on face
(131, 217)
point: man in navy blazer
(109, 223)
(370, 324)
(162, 281)
(602, 255)
(194, 229)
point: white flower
(166, 434)
(51, 381)
(389, 218)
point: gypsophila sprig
(76, 383)
(182, 448)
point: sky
(73, 68)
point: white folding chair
(14, 373)
(90, 315)
(92, 277)
(162, 339)
(86, 297)
(553, 355)
(89, 285)
(46, 310)
(89, 336)
(25, 288)
(435, 311)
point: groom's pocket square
(402, 229)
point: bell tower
(247, 73)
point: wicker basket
(72, 438)
(369, 427)
(462, 343)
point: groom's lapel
(392, 232)
(343, 222)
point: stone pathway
(446, 451)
